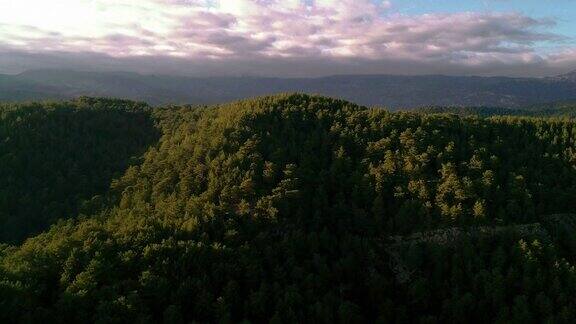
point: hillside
(297, 208)
(371, 90)
(55, 157)
(555, 109)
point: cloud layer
(298, 37)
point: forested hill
(57, 157)
(556, 109)
(392, 91)
(297, 208)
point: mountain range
(392, 91)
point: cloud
(345, 35)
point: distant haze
(372, 90)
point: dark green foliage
(474, 111)
(306, 209)
(558, 110)
(55, 158)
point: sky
(291, 37)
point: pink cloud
(322, 29)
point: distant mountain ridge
(392, 91)
(571, 76)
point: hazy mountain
(382, 90)
(568, 76)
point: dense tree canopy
(55, 157)
(557, 109)
(297, 208)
